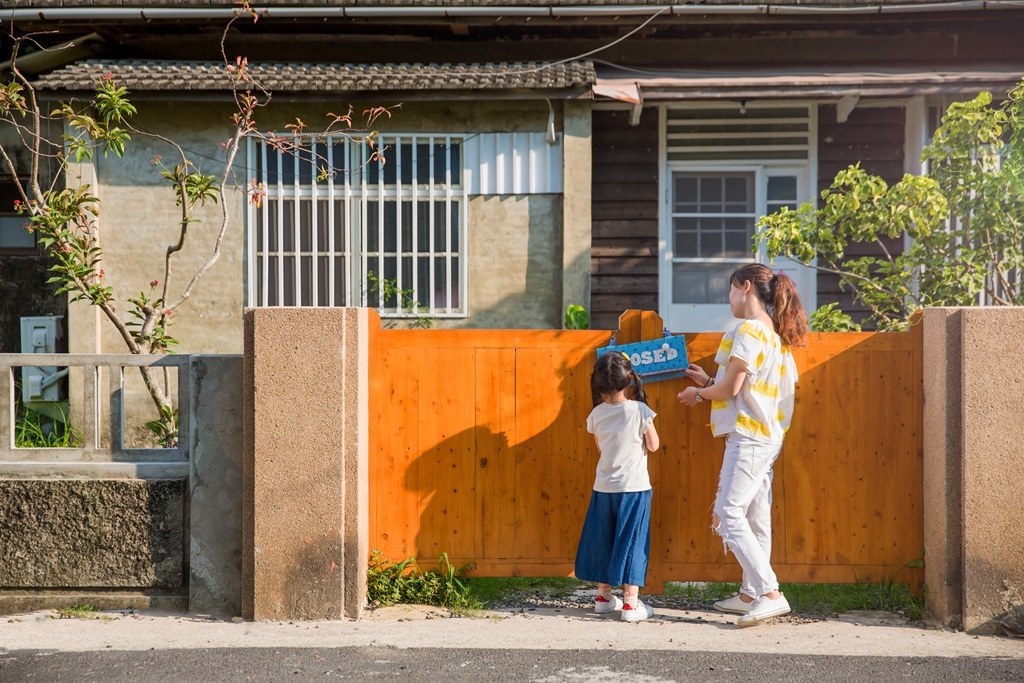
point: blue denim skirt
(616, 540)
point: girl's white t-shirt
(620, 429)
(763, 408)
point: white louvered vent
(512, 163)
(725, 134)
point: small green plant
(166, 428)
(35, 430)
(390, 583)
(829, 318)
(83, 611)
(390, 291)
(576, 318)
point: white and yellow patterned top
(763, 408)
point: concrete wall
(974, 539)
(215, 486)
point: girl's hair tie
(626, 356)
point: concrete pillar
(305, 468)
(993, 447)
(974, 539)
(943, 436)
(576, 184)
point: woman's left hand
(697, 374)
(688, 396)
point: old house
(545, 153)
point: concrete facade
(305, 474)
(547, 240)
(974, 542)
(215, 486)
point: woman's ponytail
(778, 292)
(787, 311)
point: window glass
(713, 228)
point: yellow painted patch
(751, 425)
(765, 387)
(754, 331)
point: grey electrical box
(41, 385)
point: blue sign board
(655, 359)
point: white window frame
(717, 317)
(356, 193)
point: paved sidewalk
(874, 634)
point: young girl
(616, 538)
(752, 405)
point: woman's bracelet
(711, 380)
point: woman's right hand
(697, 374)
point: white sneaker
(764, 609)
(638, 613)
(733, 605)
(602, 606)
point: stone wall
(91, 534)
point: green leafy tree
(964, 219)
(66, 219)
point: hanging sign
(654, 360)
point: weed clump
(391, 583)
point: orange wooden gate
(478, 449)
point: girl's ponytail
(638, 389)
(787, 311)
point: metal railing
(90, 415)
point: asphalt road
(482, 665)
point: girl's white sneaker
(733, 605)
(764, 609)
(602, 606)
(638, 613)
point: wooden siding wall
(478, 449)
(624, 247)
(874, 137)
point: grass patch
(391, 583)
(815, 599)
(495, 590)
(700, 593)
(822, 599)
(78, 612)
(35, 430)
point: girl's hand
(688, 396)
(697, 374)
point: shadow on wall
(533, 295)
(514, 488)
(23, 293)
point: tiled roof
(303, 77)
(41, 4)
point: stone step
(16, 601)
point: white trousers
(743, 510)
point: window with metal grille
(337, 230)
